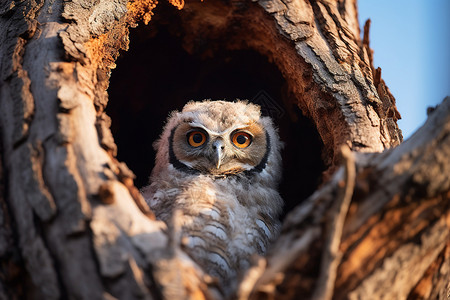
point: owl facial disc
(219, 139)
(236, 151)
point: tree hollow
(166, 67)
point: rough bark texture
(59, 178)
(74, 226)
(396, 232)
(316, 46)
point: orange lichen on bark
(177, 3)
(140, 10)
(96, 50)
(104, 49)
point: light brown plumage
(219, 163)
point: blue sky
(411, 40)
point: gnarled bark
(396, 229)
(75, 226)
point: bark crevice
(77, 220)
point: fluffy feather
(229, 212)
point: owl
(219, 164)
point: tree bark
(74, 226)
(396, 230)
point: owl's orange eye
(241, 139)
(196, 138)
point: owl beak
(218, 147)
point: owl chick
(219, 163)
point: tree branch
(402, 196)
(331, 256)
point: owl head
(219, 138)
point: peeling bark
(325, 64)
(56, 164)
(73, 225)
(397, 227)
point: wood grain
(74, 226)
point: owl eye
(241, 139)
(196, 138)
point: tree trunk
(73, 224)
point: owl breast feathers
(219, 163)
